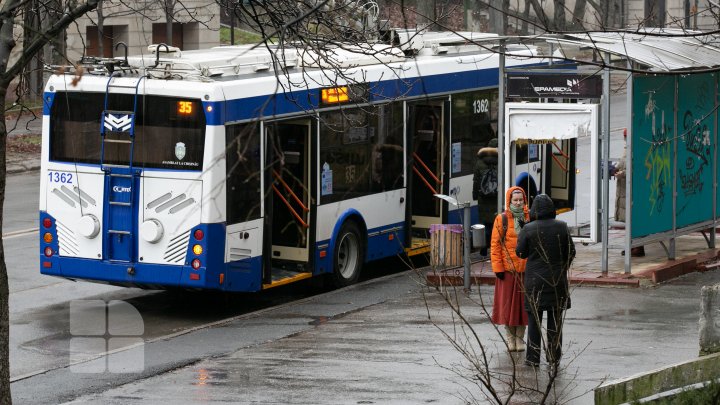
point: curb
(454, 277)
(703, 261)
(15, 168)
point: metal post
(466, 246)
(671, 252)
(628, 173)
(501, 129)
(605, 218)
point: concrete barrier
(710, 319)
(637, 387)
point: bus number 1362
(58, 177)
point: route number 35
(59, 177)
(481, 106)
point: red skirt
(509, 301)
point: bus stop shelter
(671, 160)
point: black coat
(484, 185)
(548, 247)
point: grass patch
(241, 36)
(24, 143)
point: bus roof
(223, 62)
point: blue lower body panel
(237, 276)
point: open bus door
(543, 140)
(287, 202)
(547, 167)
(560, 173)
(427, 155)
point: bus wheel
(348, 255)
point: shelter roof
(664, 50)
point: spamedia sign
(554, 85)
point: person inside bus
(508, 303)
(548, 247)
(485, 187)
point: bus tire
(348, 255)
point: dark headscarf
(542, 208)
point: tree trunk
(559, 15)
(169, 6)
(578, 16)
(100, 29)
(542, 18)
(426, 13)
(499, 16)
(526, 18)
(32, 77)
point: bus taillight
(48, 251)
(48, 238)
(199, 234)
(195, 264)
(47, 223)
(197, 249)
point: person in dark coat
(485, 187)
(548, 247)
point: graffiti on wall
(657, 159)
(695, 166)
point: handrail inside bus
(563, 154)
(417, 158)
(289, 190)
(289, 207)
(424, 180)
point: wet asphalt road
(374, 343)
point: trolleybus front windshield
(169, 131)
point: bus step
(127, 176)
(123, 204)
(117, 141)
(116, 166)
(419, 246)
(116, 232)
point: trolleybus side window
(474, 121)
(169, 131)
(360, 151)
(243, 173)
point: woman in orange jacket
(509, 300)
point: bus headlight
(151, 230)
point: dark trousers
(554, 336)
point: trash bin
(478, 236)
(446, 248)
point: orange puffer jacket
(503, 258)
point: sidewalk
(692, 254)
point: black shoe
(534, 364)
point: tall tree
(12, 15)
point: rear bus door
(287, 197)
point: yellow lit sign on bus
(334, 95)
(185, 107)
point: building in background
(195, 25)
